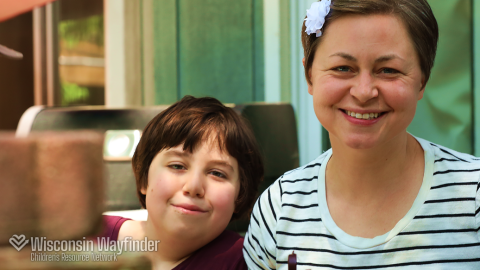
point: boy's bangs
(194, 132)
(191, 122)
(207, 134)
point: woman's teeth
(365, 116)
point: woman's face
(191, 196)
(366, 80)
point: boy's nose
(194, 185)
(365, 88)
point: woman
(380, 198)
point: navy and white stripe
(443, 234)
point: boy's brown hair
(192, 121)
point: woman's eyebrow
(384, 58)
(345, 55)
(388, 57)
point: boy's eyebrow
(173, 152)
(223, 163)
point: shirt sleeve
(260, 245)
(477, 210)
(111, 227)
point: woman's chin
(360, 142)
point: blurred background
(130, 53)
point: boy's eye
(218, 174)
(177, 167)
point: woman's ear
(310, 89)
(422, 89)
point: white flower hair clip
(316, 17)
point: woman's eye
(342, 69)
(177, 167)
(389, 71)
(218, 174)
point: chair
(274, 127)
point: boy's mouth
(190, 208)
(364, 116)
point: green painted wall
(445, 114)
(215, 48)
(208, 48)
(285, 50)
(165, 53)
(476, 76)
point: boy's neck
(365, 172)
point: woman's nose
(364, 88)
(194, 185)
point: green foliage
(89, 29)
(73, 93)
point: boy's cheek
(160, 190)
(225, 201)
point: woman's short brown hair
(416, 15)
(192, 121)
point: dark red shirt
(222, 253)
(111, 226)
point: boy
(197, 167)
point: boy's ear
(143, 190)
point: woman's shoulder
(446, 158)
(451, 168)
(445, 153)
(309, 169)
(300, 178)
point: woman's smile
(365, 82)
(362, 119)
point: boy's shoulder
(224, 252)
(111, 226)
(225, 244)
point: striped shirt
(440, 231)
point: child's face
(366, 65)
(191, 196)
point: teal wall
(476, 76)
(208, 48)
(445, 114)
(215, 48)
